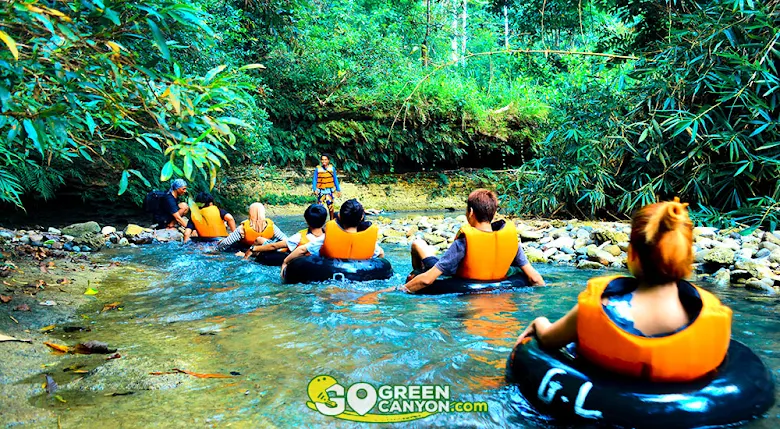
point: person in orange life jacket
(350, 225)
(170, 211)
(205, 229)
(325, 184)
(315, 215)
(617, 321)
(255, 230)
(485, 261)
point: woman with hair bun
(654, 325)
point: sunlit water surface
(280, 336)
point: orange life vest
(682, 356)
(340, 244)
(211, 224)
(250, 235)
(304, 238)
(488, 254)
(325, 177)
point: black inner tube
(317, 269)
(570, 388)
(273, 258)
(444, 285)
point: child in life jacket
(654, 325)
(315, 216)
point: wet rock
(535, 255)
(563, 241)
(775, 256)
(461, 219)
(567, 250)
(53, 230)
(79, 229)
(772, 238)
(528, 235)
(36, 238)
(701, 231)
(90, 240)
(589, 265)
(755, 268)
(550, 252)
(76, 249)
(600, 256)
(763, 253)
(770, 246)
(722, 277)
(123, 242)
(719, 255)
(613, 249)
(743, 254)
(142, 238)
(604, 235)
(24, 239)
(433, 238)
(759, 286)
(562, 258)
(168, 235)
(394, 240)
(706, 243)
(107, 230)
(392, 233)
(739, 276)
(57, 245)
(67, 246)
(583, 234)
(412, 230)
(67, 237)
(132, 230)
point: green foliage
(696, 118)
(96, 90)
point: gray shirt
(450, 260)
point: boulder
(589, 265)
(719, 255)
(168, 235)
(90, 240)
(775, 256)
(550, 252)
(528, 235)
(433, 238)
(79, 229)
(53, 230)
(613, 249)
(756, 269)
(132, 230)
(705, 243)
(535, 255)
(701, 231)
(759, 286)
(605, 235)
(108, 230)
(722, 277)
(763, 253)
(771, 246)
(387, 232)
(563, 241)
(743, 254)
(144, 237)
(600, 256)
(730, 243)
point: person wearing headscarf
(256, 230)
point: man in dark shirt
(169, 210)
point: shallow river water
(219, 314)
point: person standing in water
(325, 184)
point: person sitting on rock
(481, 251)
(654, 325)
(347, 237)
(315, 215)
(169, 210)
(255, 230)
(212, 219)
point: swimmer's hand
(281, 272)
(248, 253)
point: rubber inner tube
(444, 285)
(317, 269)
(273, 258)
(206, 239)
(570, 388)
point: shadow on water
(210, 313)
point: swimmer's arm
(535, 278)
(553, 335)
(179, 219)
(231, 221)
(295, 254)
(422, 280)
(271, 246)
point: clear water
(217, 313)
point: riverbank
(723, 257)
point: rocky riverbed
(724, 257)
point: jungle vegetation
(595, 107)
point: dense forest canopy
(601, 105)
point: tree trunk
(506, 27)
(463, 52)
(424, 52)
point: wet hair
(315, 215)
(205, 198)
(662, 240)
(483, 203)
(178, 184)
(351, 214)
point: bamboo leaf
(123, 183)
(159, 40)
(10, 43)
